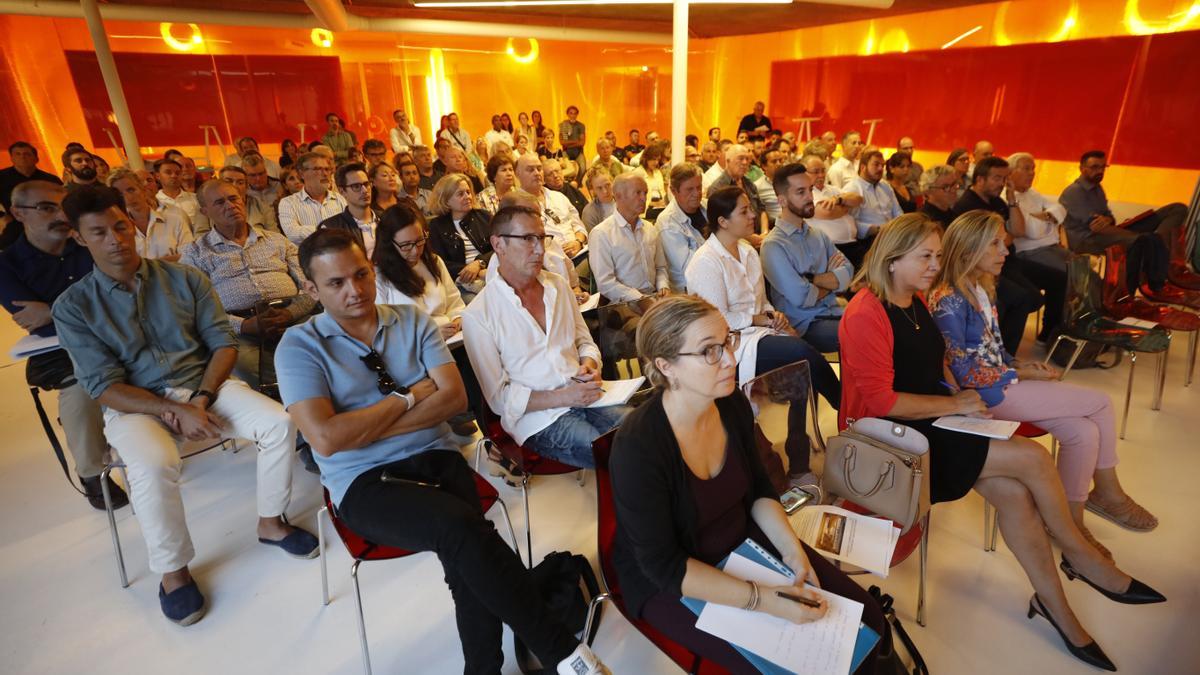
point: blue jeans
(822, 334)
(569, 438)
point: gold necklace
(913, 318)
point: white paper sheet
(979, 426)
(617, 392)
(822, 647)
(455, 339)
(592, 302)
(838, 534)
(32, 345)
(1138, 323)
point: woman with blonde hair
(893, 366)
(1082, 419)
(459, 232)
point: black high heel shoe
(1090, 653)
(1137, 593)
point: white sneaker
(582, 662)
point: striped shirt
(299, 214)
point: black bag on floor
(1093, 355)
(889, 613)
(567, 585)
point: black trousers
(489, 584)
(855, 250)
(1053, 281)
(1016, 298)
(777, 351)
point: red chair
(529, 462)
(990, 519)
(1183, 298)
(1179, 272)
(606, 534)
(363, 550)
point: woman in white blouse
(409, 273)
(726, 272)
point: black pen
(815, 604)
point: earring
(891, 268)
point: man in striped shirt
(299, 214)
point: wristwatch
(809, 276)
(403, 393)
(212, 398)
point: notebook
(758, 556)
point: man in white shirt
(457, 136)
(712, 173)
(879, 204)
(561, 219)
(625, 253)
(405, 136)
(172, 193)
(833, 209)
(537, 364)
(497, 134)
(845, 168)
(771, 161)
(1039, 241)
(299, 214)
(162, 232)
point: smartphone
(389, 477)
(794, 498)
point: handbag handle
(849, 467)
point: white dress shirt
(766, 192)
(166, 234)
(841, 173)
(555, 260)
(839, 230)
(461, 140)
(513, 357)
(736, 289)
(561, 219)
(441, 301)
(879, 204)
(185, 201)
(627, 259)
(402, 140)
(300, 214)
(492, 137)
(367, 229)
(1038, 233)
(714, 172)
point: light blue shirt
(679, 241)
(317, 359)
(789, 251)
(879, 204)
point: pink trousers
(1081, 419)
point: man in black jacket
(357, 218)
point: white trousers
(151, 453)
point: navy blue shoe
(298, 544)
(184, 605)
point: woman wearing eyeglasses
(727, 272)
(689, 488)
(459, 232)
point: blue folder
(751, 550)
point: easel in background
(871, 131)
(804, 132)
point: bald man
(626, 256)
(562, 221)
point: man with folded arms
(371, 387)
(246, 265)
(536, 362)
(150, 342)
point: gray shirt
(725, 179)
(595, 212)
(160, 335)
(1083, 200)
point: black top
(749, 124)
(944, 218)
(906, 205)
(658, 525)
(11, 178)
(574, 196)
(345, 221)
(444, 239)
(633, 149)
(722, 520)
(971, 201)
(699, 222)
(29, 274)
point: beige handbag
(882, 466)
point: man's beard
(808, 211)
(86, 174)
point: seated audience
(908, 147)
(961, 161)
(833, 212)
(737, 166)
(717, 169)
(599, 183)
(290, 181)
(536, 362)
(654, 158)
(374, 406)
(879, 204)
(727, 273)
(683, 225)
(634, 148)
(939, 186)
(302, 212)
(374, 152)
(289, 152)
(160, 232)
(257, 212)
(152, 345)
(771, 161)
(803, 266)
(708, 155)
(405, 136)
(247, 146)
(897, 169)
(359, 219)
(455, 134)
(262, 191)
(502, 178)
(893, 366)
(497, 134)
(605, 159)
(423, 158)
(962, 304)
(339, 139)
(457, 162)
(624, 252)
(846, 168)
(410, 184)
(1037, 243)
(555, 259)
(982, 151)
(247, 264)
(387, 187)
(689, 488)
(79, 167)
(1091, 227)
(24, 168)
(459, 232)
(561, 219)
(552, 172)
(38, 267)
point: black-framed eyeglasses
(374, 361)
(405, 247)
(355, 187)
(712, 354)
(44, 208)
(529, 239)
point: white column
(679, 55)
(112, 83)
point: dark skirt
(955, 462)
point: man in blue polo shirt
(34, 271)
(371, 387)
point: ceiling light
(560, 3)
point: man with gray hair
(939, 184)
(606, 160)
(737, 165)
(246, 145)
(562, 221)
(682, 226)
(625, 253)
(833, 211)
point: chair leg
(528, 529)
(924, 554)
(1128, 393)
(112, 525)
(1192, 339)
(362, 623)
(1160, 378)
(324, 512)
(987, 520)
(593, 608)
(581, 477)
(479, 445)
(512, 533)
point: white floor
(63, 610)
